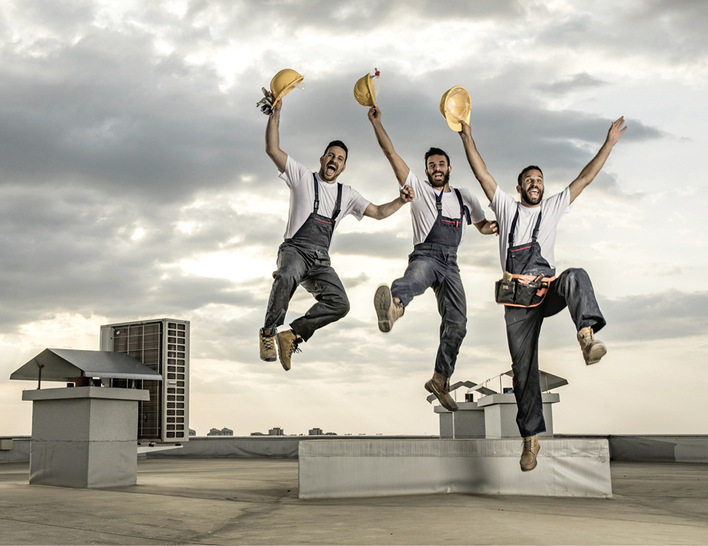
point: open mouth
(331, 169)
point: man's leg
(574, 289)
(452, 306)
(332, 302)
(391, 302)
(291, 266)
(523, 327)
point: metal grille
(163, 345)
(176, 382)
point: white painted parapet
(372, 468)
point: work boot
(387, 310)
(528, 455)
(593, 350)
(440, 387)
(287, 345)
(267, 344)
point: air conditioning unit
(163, 345)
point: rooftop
(255, 501)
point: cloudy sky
(134, 185)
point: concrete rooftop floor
(254, 501)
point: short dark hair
(340, 144)
(435, 151)
(527, 169)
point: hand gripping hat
(455, 105)
(282, 83)
(364, 90)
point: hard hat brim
(453, 118)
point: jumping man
(439, 214)
(317, 204)
(527, 233)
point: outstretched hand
(491, 228)
(374, 114)
(616, 130)
(466, 130)
(407, 194)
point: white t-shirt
(553, 208)
(424, 209)
(302, 197)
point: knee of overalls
(576, 272)
(344, 305)
(453, 330)
(577, 275)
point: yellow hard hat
(283, 82)
(364, 91)
(455, 105)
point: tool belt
(521, 290)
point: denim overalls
(433, 263)
(304, 259)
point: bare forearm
(479, 167)
(272, 140)
(400, 169)
(387, 209)
(590, 171)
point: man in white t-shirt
(317, 204)
(527, 233)
(439, 213)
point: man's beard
(526, 199)
(441, 184)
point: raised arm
(590, 171)
(400, 169)
(479, 168)
(272, 138)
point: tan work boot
(388, 311)
(593, 350)
(267, 345)
(287, 345)
(528, 455)
(439, 385)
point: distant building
(222, 432)
(276, 431)
(315, 432)
(257, 434)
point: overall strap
(464, 211)
(338, 205)
(317, 194)
(534, 235)
(438, 202)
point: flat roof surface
(254, 501)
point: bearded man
(527, 256)
(439, 214)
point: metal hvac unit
(163, 345)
